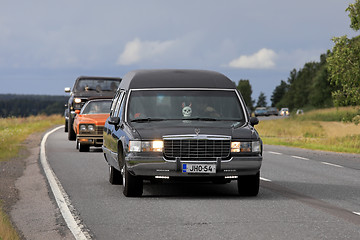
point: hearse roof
(172, 78)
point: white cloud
(263, 59)
(137, 50)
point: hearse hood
(156, 130)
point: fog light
(256, 146)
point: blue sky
(46, 45)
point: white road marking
(59, 194)
(357, 213)
(265, 179)
(277, 153)
(331, 164)
(302, 158)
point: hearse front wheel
(249, 185)
(115, 177)
(133, 185)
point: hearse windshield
(202, 105)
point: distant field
(335, 129)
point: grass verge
(13, 132)
(7, 232)
(313, 130)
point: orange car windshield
(96, 107)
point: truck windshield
(202, 105)
(96, 85)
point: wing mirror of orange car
(77, 111)
(114, 120)
(254, 121)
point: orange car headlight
(86, 128)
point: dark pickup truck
(83, 89)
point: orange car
(89, 123)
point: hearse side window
(113, 103)
(118, 103)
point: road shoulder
(33, 209)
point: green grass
(7, 232)
(349, 144)
(13, 132)
(341, 114)
(326, 129)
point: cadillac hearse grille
(196, 149)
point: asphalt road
(304, 195)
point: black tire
(66, 126)
(71, 132)
(77, 144)
(84, 148)
(249, 185)
(133, 186)
(115, 177)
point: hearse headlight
(246, 147)
(146, 146)
(77, 100)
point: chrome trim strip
(197, 137)
(173, 161)
(243, 107)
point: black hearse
(181, 125)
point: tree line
(333, 81)
(13, 105)
(306, 87)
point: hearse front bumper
(159, 167)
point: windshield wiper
(201, 119)
(237, 124)
(147, 119)
(93, 89)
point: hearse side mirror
(114, 120)
(67, 89)
(254, 121)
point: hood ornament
(197, 131)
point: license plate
(198, 168)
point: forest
(13, 105)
